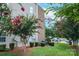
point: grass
(57, 50)
(7, 54)
(4, 53)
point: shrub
(36, 44)
(51, 43)
(70, 42)
(31, 44)
(7, 49)
(2, 47)
(11, 46)
(42, 44)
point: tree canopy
(67, 20)
(4, 18)
(22, 26)
(70, 16)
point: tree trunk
(75, 42)
(15, 40)
(70, 42)
(76, 48)
(24, 47)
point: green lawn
(57, 50)
(7, 54)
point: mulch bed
(19, 51)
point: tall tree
(20, 25)
(68, 26)
(24, 27)
(69, 13)
(4, 18)
(49, 34)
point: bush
(51, 43)
(7, 49)
(11, 46)
(42, 44)
(36, 44)
(2, 47)
(31, 44)
(70, 42)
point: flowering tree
(20, 25)
(24, 27)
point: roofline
(39, 6)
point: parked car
(59, 40)
(56, 40)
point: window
(31, 10)
(2, 38)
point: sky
(46, 5)
(50, 14)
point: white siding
(16, 9)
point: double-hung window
(2, 38)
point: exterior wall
(16, 9)
(8, 40)
(41, 30)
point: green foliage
(2, 47)
(11, 46)
(4, 18)
(3, 7)
(27, 26)
(31, 44)
(69, 10)
(71, 29)
(69, 22)
(60, 45)
(49, 33)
